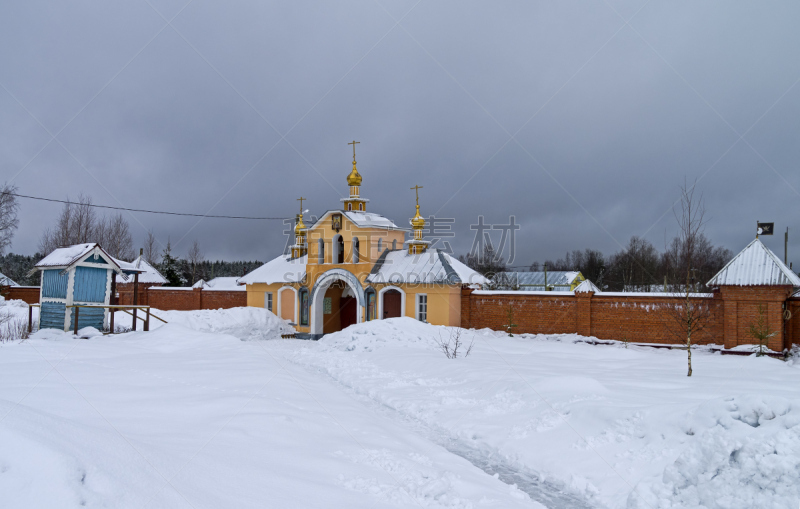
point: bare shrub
(760, 330)
(14, 328)
(454, 345)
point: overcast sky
(581, 119)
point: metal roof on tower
(755, 265)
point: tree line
(637, 267)
(79, 223)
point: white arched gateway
(317, 298)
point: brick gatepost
(465, 306)
(584, 313)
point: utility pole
(786, 246)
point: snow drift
(245, 323)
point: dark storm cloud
(608, 118)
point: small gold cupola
(354, 202)
(300, 247)
(417, 245)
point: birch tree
(8, 215)
(690, 315)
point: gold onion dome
(418, 221)
(300, 225)
(354, 179)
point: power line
(146, 211)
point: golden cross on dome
(416, 189)
(301, 203)
(353, 143)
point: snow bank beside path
(746, 454)
(245, 323)
(621, 427)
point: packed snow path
(552, 494)
(191, 416)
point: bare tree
(487, 262)
(690, 316)
(115, 236)
(195, 259)
(78, 223)
(8, 215)
(150, 249)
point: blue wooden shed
(79, 274)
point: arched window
(355, 250)
(380, 246)
(338, 249)
(321, 251)
(349, 206)
(394, 245)
(360, 206)
(372, 304)
(303, 297)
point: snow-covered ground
(189, 415)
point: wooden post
(76, 319)
(112, 299)
(30, 318)
(135, 298)
(111, 319)
(147, 320)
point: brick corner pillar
(584, 310)
(197, 293)
(730, 319)
(466, 298)
(775, 321)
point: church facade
(352, 266)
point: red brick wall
(534, 314)
(29, 294)
(632, 317)
(187, 299)
(125, 292)
(216, 299)
(653, 319)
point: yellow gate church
(352, 266)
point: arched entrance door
(392, 304)
(337, 301)
(340, 308)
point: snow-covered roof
(432, 266)
(370, 220)
(362, 220)
(755, 265)
(283, 269)
(529, 279)
(586, 286)
(66, 256)
(147, 273)
(220, 283)
(6, 281)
